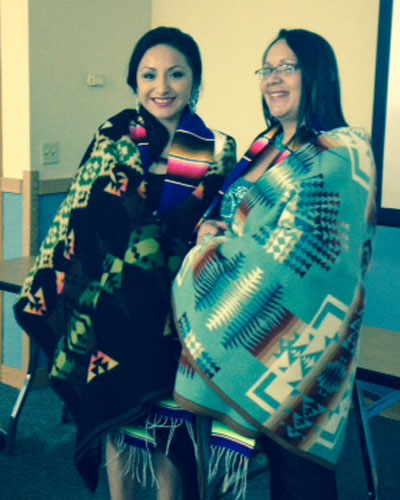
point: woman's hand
(211, 228)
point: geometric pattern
(203, 359)
(144, 247)
(118, 184)
(79, 335)
(282, 242)
(261, 313)
(107, 251)
(283, 326)
(99, 364)
(196, 350)
(213, 274)
(308, 230)
(298, 358)
(36, 303)
(357, 147)
(69, 246)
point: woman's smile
(163, 101)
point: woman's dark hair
(184, 43)
(320, 105)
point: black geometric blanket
(98, 297)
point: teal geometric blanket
(269, 313)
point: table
(379, 357)
(12, 275)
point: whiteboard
(386, 119)
(391, 157)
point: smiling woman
(97, 299)
(269, 303)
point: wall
(15, 106)
(233, 34)
(69, 41)
(49, 48)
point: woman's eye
(148, 76)
(177, 75)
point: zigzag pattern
(184, 325)
(239, 294)
(258, 316)
(212, 275)
(208, 365)
(291, 369)
(316, 212)
(185, 368)
(262, 235)
(266, 197)
(36, 303)
(302, 162)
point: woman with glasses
(98, 297)
(269, 303)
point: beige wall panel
(233, 34)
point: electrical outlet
(50, 153)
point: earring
(194, 98)
(137, 103)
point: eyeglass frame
(282, 69)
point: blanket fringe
(235, 470)
(138, 444)
(138, 459)
(155, 421)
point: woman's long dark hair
(157, 134)
(320, 104)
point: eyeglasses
(283, 69)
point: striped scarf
(190, 157)
(260, 144)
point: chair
(12, 275)
(384, 387)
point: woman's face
(164, 81)
(282, 91)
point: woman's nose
(276, 76)
(163, 84)
(273, 79)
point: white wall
(391, 178)
(233, 34)
(67, 41)
(15, 109)
(47, 56)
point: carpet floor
(41, 467)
